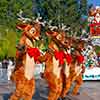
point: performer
(68, 61)
(54, 60)
(26, 57)
(79, 66)
(76, 71)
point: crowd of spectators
(6, 61)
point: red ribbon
(33, 52)
(80, 59)
(60, 56)
(68, 58)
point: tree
(73, 15)
(60, 11)
(7, 42)
(83, 7)
(8, 20)
(10, 8)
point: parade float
(91, 57)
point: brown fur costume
(25, 88)
(74, 75)
(53, 68)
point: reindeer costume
(67, 67)
(79, 67)
(26, 57)
(54, 60)
(76, 70)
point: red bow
(60, 56)
(80, 59)
(33, 52)
(68, 58)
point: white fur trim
(56, 68)
(29, 67)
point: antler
(38, 20)
(64, 27)
(51, 27)
(23, 19)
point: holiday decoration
(94, 19)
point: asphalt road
(90, 90)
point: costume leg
(79, 82)
(55, 89)
(67, 83)
(52, 95)
(66, 87)
(28, 97)
(29, 89)
(59, 89)
(16, 95)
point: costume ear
(23, 26)
(51, 33)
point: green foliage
(83, 7)
(10, 8)
(97, 48)
(84, 12)
(59, 11)
(62, 11)
(8, 20)
(7, 42)
(74, 15)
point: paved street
(89, 91)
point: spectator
(5, 63)
(10, 68)
(0, 64)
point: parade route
(89, 91)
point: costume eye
(59, 37)
(32, 30)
